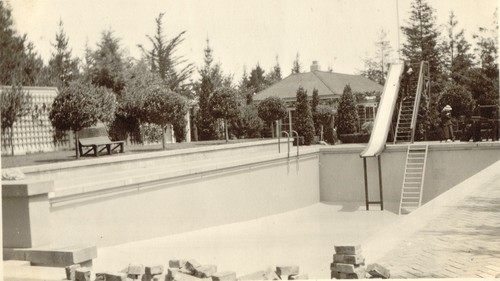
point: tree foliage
(376, 67)
(458, 97)
(107, 63)
(20, 64)
(82, 105)
(303, 122)
(224, 105)
(63, 68)
(272, 109)
(164, 107)
(15, 103)
(247, 124)
(347, 114)
(324, 117)
(171, 68)
(296, 66)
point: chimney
(315, 66)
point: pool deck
(457, 235)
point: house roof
(329, 85)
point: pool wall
(342, 180)
(223, 190)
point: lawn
(69, 155)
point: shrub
(247, 124)
(272, 109)
(354, 138)
(81, 105)
(224, 105)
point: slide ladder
(409, 104)
(413, 180)
(403, 125)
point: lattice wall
(34, 132)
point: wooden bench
(95, 140)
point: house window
(286, 124)
(366, 113)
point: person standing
(447, 124)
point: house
(330, 86)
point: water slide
(385, 110)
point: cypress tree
(347, 118)
(304, 124)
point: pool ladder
(288, 142)
(413, 179)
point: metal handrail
(288, 141)
(416, 104)
(298, 140)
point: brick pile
(183, 270)
(282, 272)
(348, 263)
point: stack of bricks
(348, 263)
(191, 270)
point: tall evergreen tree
(211, 78)
(457, 58)
(257, 79)
(314, 106)
(19, 62)
(422, 37)
(275, 74)
(296, 66)
(173, 69)
(108, 66)
(484, 84)
(62, 67)
(347, 114)
(303, 122)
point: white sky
(337, 33)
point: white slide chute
(385, 110)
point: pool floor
(303, 237)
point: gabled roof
(329, 85)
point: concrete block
(14, 254)
(376, 270)
(191, 265)
(298, 277)
(335, 275)
(224, 276)
(176, 263)
(179, 276)
(26, 213)
(154, 270)
(61, 256)
(258, 275)
(205, 271)
(70, 271)
(344, 267)
(357, 275)
(82, 274)
(108, 276)
(271, 275)
(136, 269)
(349, 259)
(161, 277)
(286, 270)
(348, 250)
